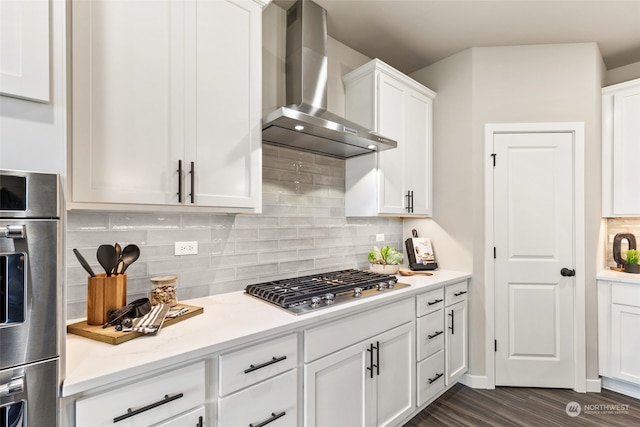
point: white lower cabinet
(367, 384)
(193, 418)
(163, 398)
(258, 384)
(272, 402)
(455, 301)
(619, 336)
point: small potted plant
(631, 265)
(385, 261)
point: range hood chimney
(304, 123)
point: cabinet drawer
(250, 365)
(430, 377)
(455, 293)
(262, 402)
(176, 391)
(429, 302)
(195, 418)
(430, 334)
(626, 294)
(331, 337)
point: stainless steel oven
(29, 299)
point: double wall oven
(29, 299)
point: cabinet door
(273, 402)
(396, 380)
(621, 151)
(224, 135)
(417, 151)
(335, 388)
(625, 342)
(128, 65)
(193, 418)
(456, 341)
(391, 123)
(24, 56)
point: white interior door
(534, 241)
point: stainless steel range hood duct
(305, 124)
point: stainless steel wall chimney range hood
(305, 124)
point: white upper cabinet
(397, 181)
(24, 49)
(167, 104)
(621, 149)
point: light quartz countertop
(228, 320)
(619, 276)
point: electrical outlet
(379, 237)
(186, 248)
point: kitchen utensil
(130, 254)
(119, 265)
(84, 263)
(108, 258)
(413, 273)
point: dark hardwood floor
(535, 407)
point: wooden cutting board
(111, 336)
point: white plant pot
(384, 268)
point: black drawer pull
(131, 412)
(179, 181)
(262, 365)
(274, 417)
(457, 294)
(434, 379)
(435, 335)
(434, 302)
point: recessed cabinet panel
(620, 149)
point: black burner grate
(288, 293)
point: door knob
(567, 273)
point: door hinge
(495, 346)
(494, 159)
(494, 252)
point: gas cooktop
(304, 294)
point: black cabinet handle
(435, 335)
(193, 182)
(200, 422)
(409, 197)
(377, 347)
(452, 319)
(370, 367)
(273, 360)
(131, 412)
(179, 181)
(434, 379)
(274, 417)
(435, 301)
(457, 294)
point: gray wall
(302, 230)
(518, 84)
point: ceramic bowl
(384, 268)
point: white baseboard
(594, 386)
(474, 381)
(622, 387)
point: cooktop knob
(315, 302)
(381, 286)
(329, 298)
(357, 292)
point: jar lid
(164, 279)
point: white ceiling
(411, 34)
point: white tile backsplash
(302, 230)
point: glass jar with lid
(163, 290)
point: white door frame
(579, 338)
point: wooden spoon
(413, 273)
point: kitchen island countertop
(228, 320)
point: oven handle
(15, 386)
(13, 232)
